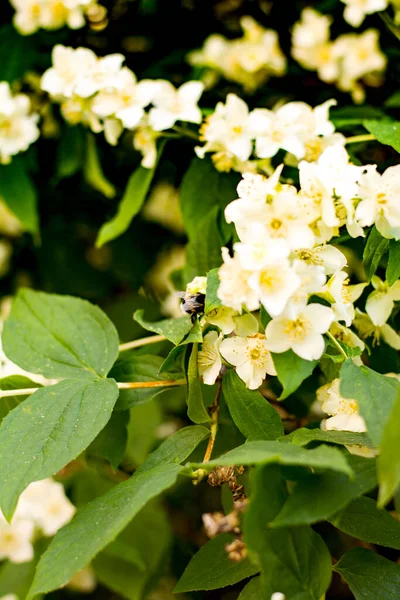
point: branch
(153, 339)
(214, 410)
(366, 137)
(132, 385)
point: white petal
(277, 339)
(379, 305)
(233, 350)
(311, 348)
(320, 316)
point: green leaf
(132, 201)
(321, 495)
(251, 591)
(16, 578)
(196, 409)
(14, 382)
(173, 329)
(176, 448)
(304, 436)
(291, 560)
(369, 575)
(251, 412)
(48, 430)
(92, 170)
(394, 100)
(211, 568)
(204, 188)
(393, 266)
(212, 300)
(59, 336)
(19, 193)
(362, 519)
(375, 394)
(292, 371)
(100, 521)
(264, 452)
(386, 131)
(203, 252)
(111, 442)
(134, 367)
(70, 152)
(389, 456)
(375, 248)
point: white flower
(342, 296)
(275, 283)
(346, 336)
(83, 581)
(197, 286)
(300, 329)
(366, 328)
(18, 126)
(32, 15)
(171, 105)
(278, 596)
(330, 258)
(145, 141)
(380, 201)
(9, 597)
(46, 504)
(212, 54)
(228, 129)
(356, 10)
(261, 252)
(16, 540)
(344, 411)
(251, 358)
(70, 66)
(380, 303)
(209, 359)
(228, 320)
(234, 290)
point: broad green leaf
(49, 429)
(59, 336)
(321, 495)
(70, 151)
(92, 171)
(394, 100)
(203, 252)
(130, 204)
(386, 131)
(195, 334)
(375, 394)
(14, 382)
(196, 409)
(111, 442)
(292, 371)
(176, 448)
(251, 412)
(97, 524)
(19, 193)
(174, 363)
(212, 300)
(375, 248)
(393, 266)
(389, 456)
(173, 329)
(134, 367)
(362, 519)
(264, 452)
(146, 538)
(251, 591)
(204, 188)
(291, 560)
(369, 576)
(304, 436)
(211, 568)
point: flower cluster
(18, 125)
(105, 96)
(42, 510)
(356, 10)
(234, 134)
(283, 262)
(250, 60)
(32, 15)
(349, 61)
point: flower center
(298, 329)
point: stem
(187, 132)
(24, 392)
(213, 409)
(131, 385)
(153, 339)
(367, 137)
(336, 343)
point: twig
(366, 137)
(24, 392)
(152, 339)
(132, 385)
(213, 409)
(187, 132)
(336, 343)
